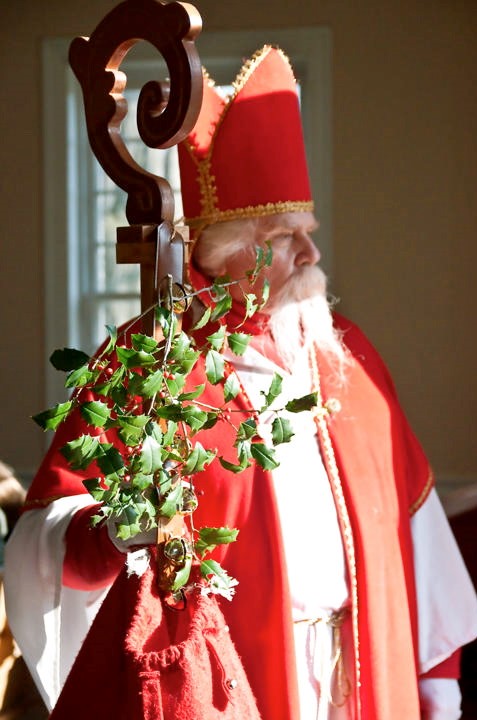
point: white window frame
(64, 136)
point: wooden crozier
(167, 112)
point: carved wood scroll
(166, 113)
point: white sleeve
(447, 607)
(446, 599)
(38, 605)
(440, 699)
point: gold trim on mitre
(251, 211)
(207, 183)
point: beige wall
(404, 211)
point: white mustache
(307, 281)
(301, 318)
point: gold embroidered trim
(207, 185)
(321, 415)
(249, 66)
(423, 496)
(283, 206)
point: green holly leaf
(171, 502)
(81, 452)
(118, 376)
(264, 456)
(251, 305)
(218, 288)
(217, 339)
(143, 342)
(187, 361)
(80, 377)
(166, 320)
(145, 510)
(265, 293)
(203, 320)
(194, 417)
(169, 412)
(113, 337)
(52, 418)
(244, 452)
(131, 428)
(211, 567)
(214, 367)
(142, 481)
(193, 394)
(153, 428)
(282, 431)
(110, 462)
(95, 413)
(97, 492)
(231, 387)
(259, 254)
(150, 458)
(273, 391)
(120, 395)
(115, 383)
(135, 382)
(163, 481)
(182, 575)
(151, 385)
(175, 384)
(222, 307)
(68, 359)
(238, 342)
(247, 429)
(103, 389)
(170, 433)
(180, 344)
(219, 582)
(128, 525)
(131, 358)
(212, 418)
(197, 460)
(210, 537)
(244, 455)
(307, 402)
(234, 467)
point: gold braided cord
(424, 494)
(251, 211)
(321, 417)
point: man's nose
(307, 252)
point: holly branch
(144, 413)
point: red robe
(379, 476)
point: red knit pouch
(143, 661)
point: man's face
(292, 246)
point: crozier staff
(353, 600)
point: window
(85, 289)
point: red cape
(379, 477)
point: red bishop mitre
(246, 156)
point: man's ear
(200, 263)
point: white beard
(300, 318)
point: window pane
(115, 311)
